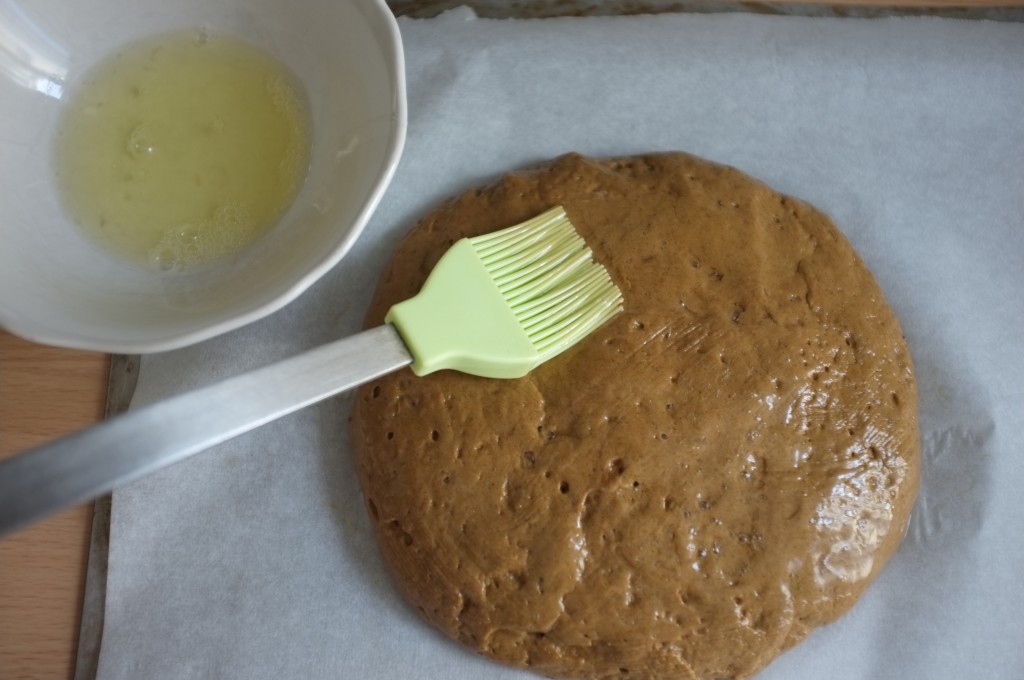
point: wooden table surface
(46, 392)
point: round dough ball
(686, 493)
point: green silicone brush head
(499, 305)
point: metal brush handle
(91, 462)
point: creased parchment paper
(256, 559)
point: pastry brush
(495, 306)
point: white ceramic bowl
(58, 288)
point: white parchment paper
(256, 559)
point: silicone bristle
(548, 277)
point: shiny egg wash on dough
(716, 472)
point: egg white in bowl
(58, 286)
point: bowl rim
(393, 54)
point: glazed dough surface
(687, 493)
